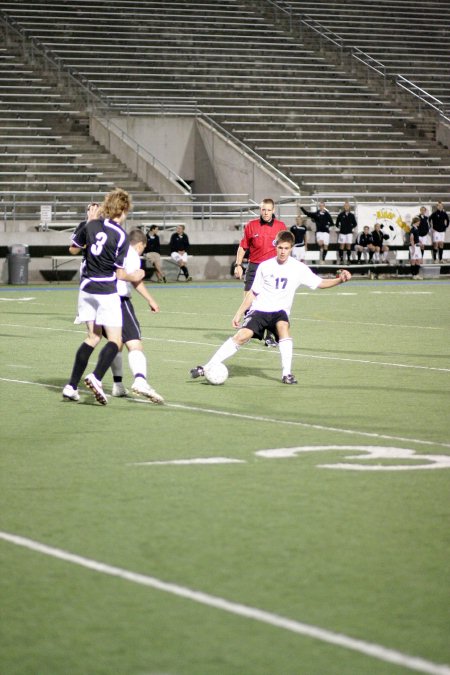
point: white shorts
(437, 236)
(103, 309)
(323, 237)
(415, 252)
(345, 238)
(298, 252)
(179, 257)
(425, 241)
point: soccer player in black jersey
(105, 245)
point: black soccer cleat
(289, 379)
(197, 372)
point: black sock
(81, 360)
(185, 271)
(341, 257)
(434, 254)
(324, 254)
(117, 378)
(440, 253)
(105, 358)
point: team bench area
(215, 261)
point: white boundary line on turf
(257, 418)
(298, 354)
(373, 363)
(372, 650)
(308, 425)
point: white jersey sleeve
(132, 263)
(275, 284)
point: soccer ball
(216, 373)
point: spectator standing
(424, 229)
(439, 222)
(364, 244)
(323, 222)
(299, 231)
(179, 249)
(346, 224)
(152, 252)
(415, 253)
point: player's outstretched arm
(342, 278)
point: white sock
(229, 348)
(117, 365)
(137, 363)
(286, 348)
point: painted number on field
(414, 461)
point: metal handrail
(248, 151)
(100, 106)
(359, 55)
(423, 95)
(97, 104)
(237, 206)
(369, 61)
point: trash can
(18, 260)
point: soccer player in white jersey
(131, 330)
(269, 302)
(105, 244)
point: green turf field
(328, 561)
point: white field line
(215, 345)
(259, 418)
(372, 650)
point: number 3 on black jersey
(97, 248)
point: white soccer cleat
(70, 393)
(96, 387)
(142, 387)
(118, 389)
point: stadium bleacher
(213, 53)
(310, 118)
(409, 38)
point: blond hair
(115, 203)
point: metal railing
(297, 20)
(423, 96)
(100, 106)
(204, 210)
(92, 100)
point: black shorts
(131, 329)
(250, 275)
(259, 322)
